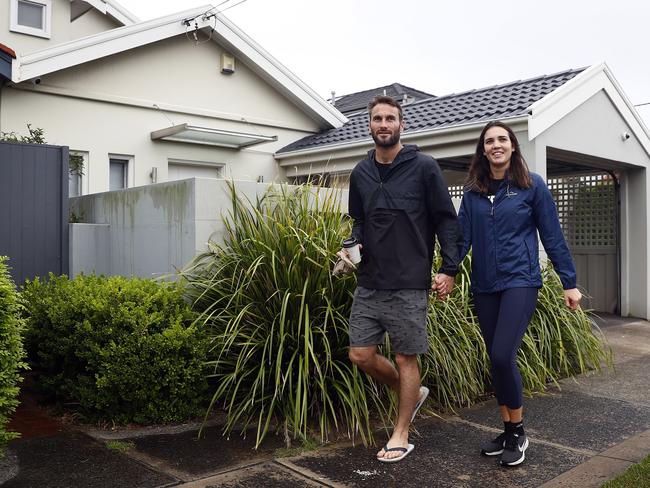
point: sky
(440, 47)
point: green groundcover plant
(12, 353)
(116, 349)
(277, 322)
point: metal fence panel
(34, 209)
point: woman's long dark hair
(478, 178)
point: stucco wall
(153, 230)
(110, 107)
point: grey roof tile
(360, 100)
(495, 102)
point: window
(32, 17)
(77, 180)
(119, 170)
(179, 169)
(74, 185)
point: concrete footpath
(591, 430)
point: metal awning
(210, 137)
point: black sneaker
(514, 451)
(495, 446)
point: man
(399, 202)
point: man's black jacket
(398, 218)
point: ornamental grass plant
(277, 323)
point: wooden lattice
(586, 206)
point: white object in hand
(351, 245)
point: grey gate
(588, 209)
(34, 209)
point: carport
(576, 128)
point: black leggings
(503, 318)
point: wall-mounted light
(154, 174)
(227, 64)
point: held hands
(442, 285)
(572, 298)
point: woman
(503, 208)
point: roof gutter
(469, 127)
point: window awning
(210, 137)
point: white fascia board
(114, 9)
(120, 13)
(560, 102)
(101, 45)
(409, 137)
(275, 73)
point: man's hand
(572, 298)
(443, 285)
(345, 257)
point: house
(183, 95)
(577, 128)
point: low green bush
(116, 349)
(12, 353)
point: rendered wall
(153, 230)
(105, 118)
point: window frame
(45, 32)
(83, 177)
(129, 170)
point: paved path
(582, 435)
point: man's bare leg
(379, 367)
(409, 394)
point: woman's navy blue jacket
(397, 219)
(503, 237)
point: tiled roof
(495, 102)
(360, 100)
(8, 50)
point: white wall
(152, 230)
(110, 107)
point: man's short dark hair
(387, 101)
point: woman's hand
(572, 298)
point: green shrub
(117, 349)
(11, 352)
(278, 325)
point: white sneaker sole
(521, 459)
(492, 453)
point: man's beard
(390, 142)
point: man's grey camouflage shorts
(401, 313)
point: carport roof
(491, 103)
